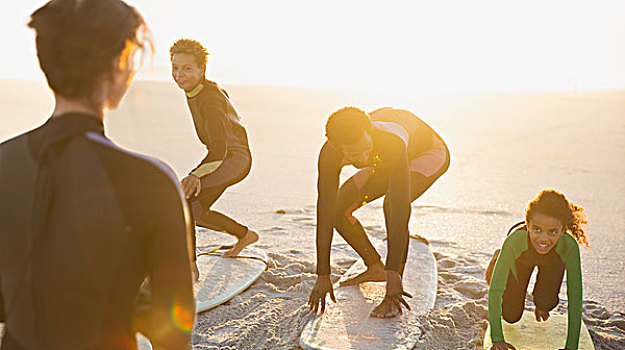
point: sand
(505, 149)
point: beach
(505, 148)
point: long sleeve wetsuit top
(517, 251)
(398, 136)
(218, 126)
(83, 222)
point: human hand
(502, 345)
(391, 305)
(191, 185)
(317, 299)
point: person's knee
(546, 303)
(344, 217)
(512, 316)
(343, 221)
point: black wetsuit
(410, 157)
(83, 223)
(228, 160)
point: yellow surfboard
(529, 334)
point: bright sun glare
(393, 45)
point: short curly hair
(191, 47)
(347, 125)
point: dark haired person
(218, 125)
(84, 222)
(548, 239)
(400, 157)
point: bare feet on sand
(250, 238)
(374, 273)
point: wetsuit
(228, 158)
(514, 266)
(83, 223)
(409, 157)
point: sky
(401, 46)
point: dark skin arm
(329, 166)
(393, 152)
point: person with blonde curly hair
(219, 127)
(549, 239)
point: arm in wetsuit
(170, 319)
(329, 169)
(511, 249)
(394, 154)
(214, 113)
(572, 264)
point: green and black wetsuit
(410, 156)
(83, 223)
(506, 296)
(228, 159)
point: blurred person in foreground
(85, 222)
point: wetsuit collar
(196, 90)
(62, 128)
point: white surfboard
(529, 334)
(221, 279)
(346, 324)
(143, 343)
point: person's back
(70, 271)
(83, 221)
(420, 135)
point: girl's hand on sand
(502, 345)
(191, 185)
(317, 297)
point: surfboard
(221, 279)
(143, 343)
(346, 324)
(529, 334)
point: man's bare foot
(386, 309)
(250, 238)
(374, 273)
(541, 315)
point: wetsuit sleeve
(399, 196)
(574, 295)
(172, 312)
(329, 168)
(215, 116)
(504, 264)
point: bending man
(399, 157)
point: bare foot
(250, 238)
(541, 315)
(386, 309)
(374, 273)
